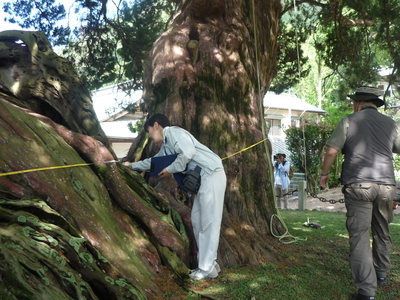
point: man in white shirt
(208, 203)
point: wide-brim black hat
(368, 93)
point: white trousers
(207, 216)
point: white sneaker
(217, 267)
(213, 274)
(199, 274)
(194, 270)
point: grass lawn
(314, 269)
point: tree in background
(344, 50)
(307, 145)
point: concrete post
(302, 205)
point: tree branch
(332, 7)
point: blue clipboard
(159, 163)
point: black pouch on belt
(192, 181)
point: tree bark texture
(46, 82)
(97, 231)
(209, 73)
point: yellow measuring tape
(110, 161)
(246, 148)
(52, 168)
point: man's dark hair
(159, 118)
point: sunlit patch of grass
(314, 269)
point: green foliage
(111, 50)
(337, 111)
(295, 28)
(136, 127)
(350, 41)
(320, 86)
(348, 45)
(306, 144)
(288, 73)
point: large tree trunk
(96, 231)
(203, 75)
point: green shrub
(307, 147)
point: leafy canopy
(109, 41)
(353, 38)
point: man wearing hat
(367, 139)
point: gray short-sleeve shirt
(338, 137)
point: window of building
(275, 126)
(295, 122)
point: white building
(282, 111)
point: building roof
(124, 115)
(116, 126)
(287, 101)
(107, 100)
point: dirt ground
(316, 204)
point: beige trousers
(369, 205)
(281, 200)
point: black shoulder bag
(192, 181)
